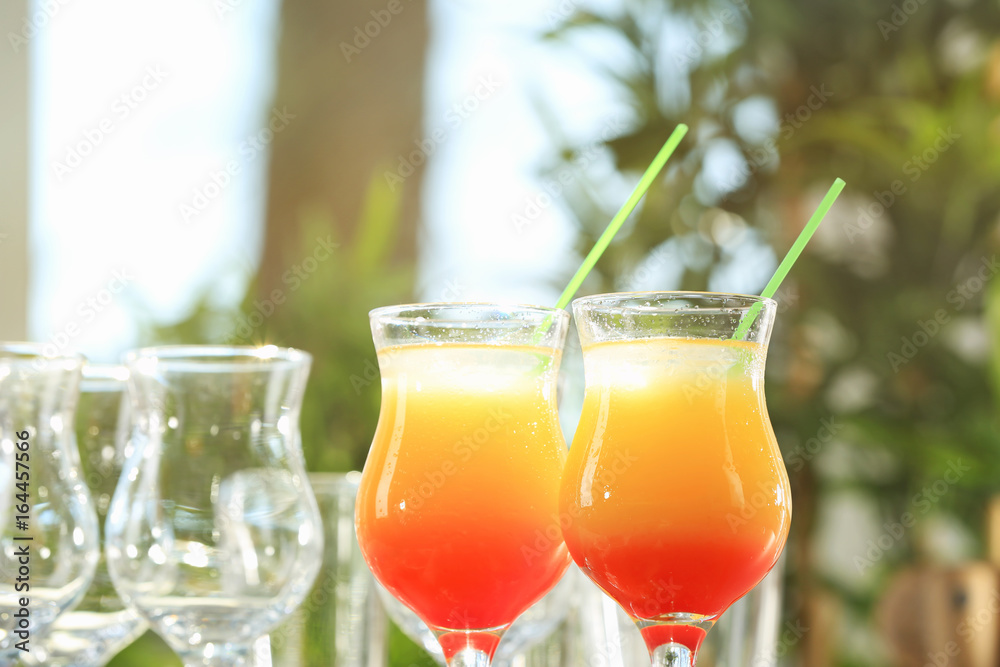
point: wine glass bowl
(214, 534)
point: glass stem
(673, 655)
(470, 657)
(469, 648)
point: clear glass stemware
(214, 535)
(48, 536)
(100, 626)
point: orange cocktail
(678, 498)
(458, 505)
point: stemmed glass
(457, 512)
(100, 625)
(679, 499)
(48, 538)
(213, 534)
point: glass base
(469, 648)
(673, 655)
(211, 655)
(80, 638)
(673, 640)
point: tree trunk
(352, 76)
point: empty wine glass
(100, 626)
(213, 534)
(48, 538)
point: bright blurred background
(251, 171)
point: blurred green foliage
(328, 287)
(882, 328)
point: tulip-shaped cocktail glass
(457, 513)
(213, 534)
(48, 528)
(99, 626)
(678, 496)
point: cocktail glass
(100, 626)
(48, 538)
(678, 497)
(213, 533)
(458, 507)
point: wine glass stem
(673, 655)
(470, 657)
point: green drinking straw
(789, 260)
(616, 222)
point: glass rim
(619, 300)
(229, 357)
(103, 378)
(99, 372)
(26, 351)
(394, 314)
